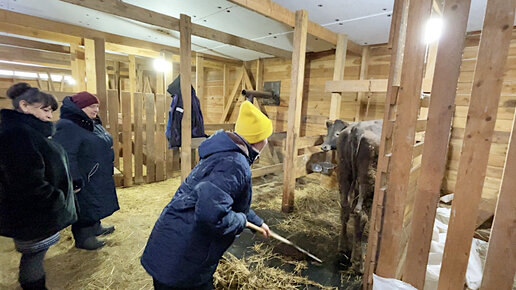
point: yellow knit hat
(252, 124)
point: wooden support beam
(199, 82)
(232, 96)
(150, 128)
(185, 31)
(100, 76)
(259, 75)
(403, 140)
(27, 43)
(373, 86)
(89, 57)
(433, 163)
(140, 14)
(78, 71)
(338, 74)
(26, 55)
(138, 137)
(113, 105)
(483, 108)
(172, 155)
(294, 109)
(127, 137)
(160, 139)
(364, 63)
(281, 14)
(32, 68)
(501, 256)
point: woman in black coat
(90, 152)
(36, 194)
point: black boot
(104, 230)
(85, 238)
(36, 285)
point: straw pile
(253, 273)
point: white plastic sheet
(380, 283)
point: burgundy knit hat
(84, 99)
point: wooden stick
(283, 240)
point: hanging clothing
(175, 116)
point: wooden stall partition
(185, 28)
(113, 108)
(433, 162)
(138, 137)
(482, 113)
(127, 139)
(160, 139)
(150, 125)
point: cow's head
(334, 129)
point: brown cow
(357, 154)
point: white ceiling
(365, 21)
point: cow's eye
(337, 134)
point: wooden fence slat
(160, 138)
(403, 140)
(138, 137)
(485, 95)
(127, 139)
(113, 106)
(501, 256)
(149, 132)
(433, 164)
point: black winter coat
(36, 195)
(90, 151)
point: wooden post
(127, 139)
(225, 85)
(113, 123)
(185, 30)
(199, 82)
(294, 109)
(100, 76)
(259, 74)
(138, 137)
(77, 68)
(132, 74)
(363, 75)
(397, 38)
(501, 255)
(483, 108)
(160, 138)
(403, 141)
(149, 134)
(433, 163)
(169, 78)
(89, 56)
(338, 74)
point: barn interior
(439, 74)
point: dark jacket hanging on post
(175, 115)
(36, 195)
(89, 148)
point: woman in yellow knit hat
(210, 208)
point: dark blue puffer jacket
(90, 152)
(203, 218)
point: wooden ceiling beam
(32, 68)
(272, 10)
(26, 25)
(59, 60)
(140, 14)
(27, 43)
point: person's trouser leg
(32, 273)
(160, 286)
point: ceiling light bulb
(162, 65)
(433, 29)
